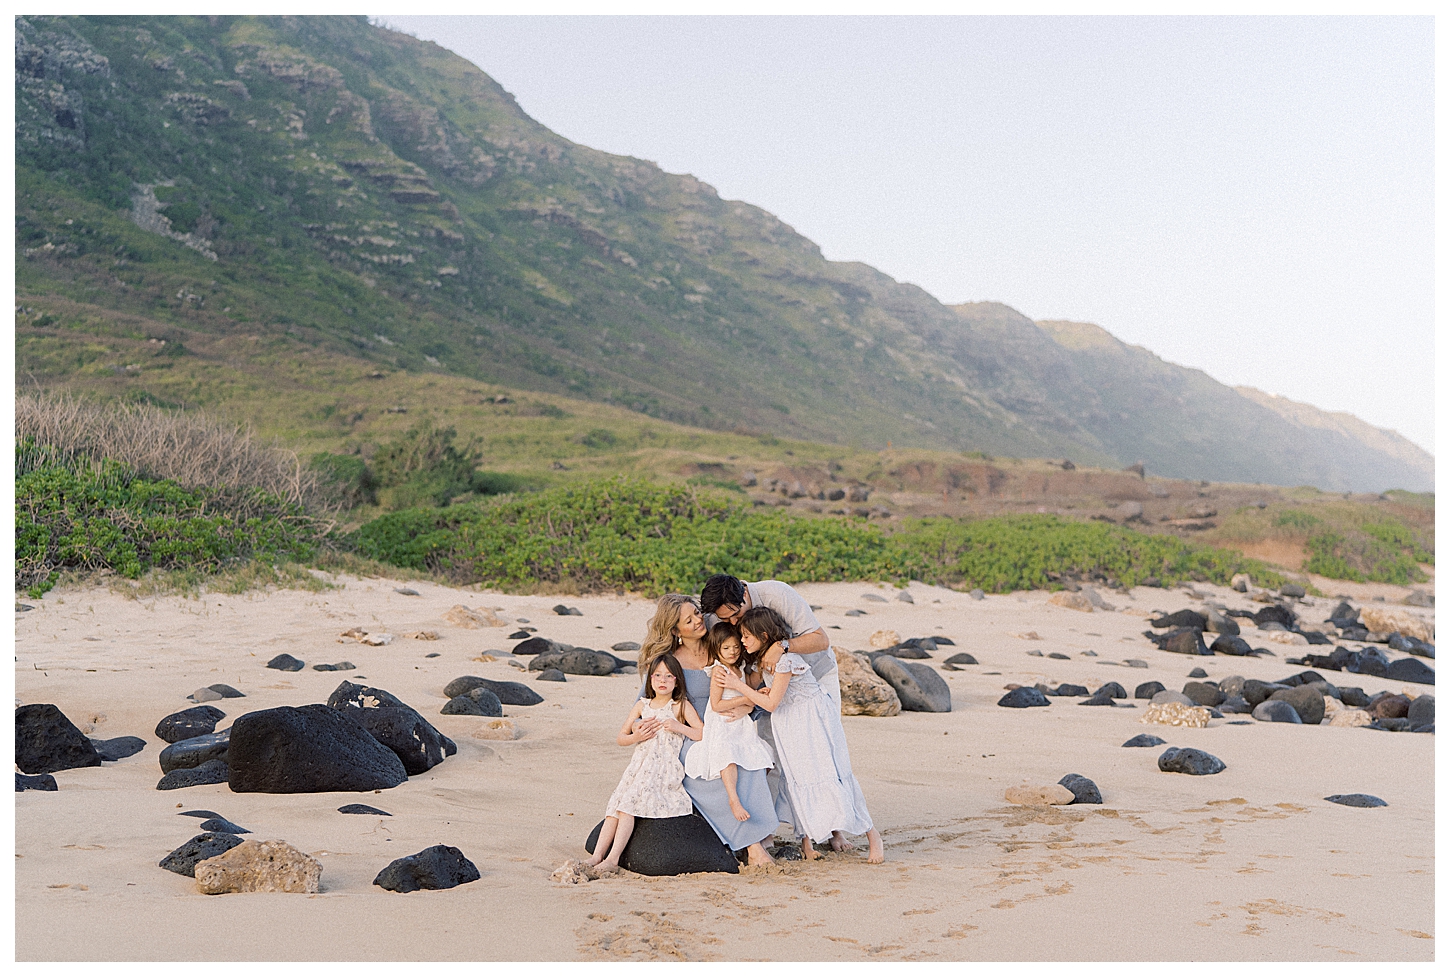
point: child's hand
(730, 680)
(646, 729)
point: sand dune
(1250, 864)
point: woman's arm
(625, 737)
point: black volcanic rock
(210, 772)
(508, 693)
(185, 754)
(119, 748)
(439, 867)
(46, 741)
(1181, 619)
(183, 725)
(1023, 697)
(672, 846)
(209, 844)
(1190, 761)
(286, 663)
(308, 749)
(43, 781)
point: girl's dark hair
(673, 664)
(766, 624)
(717, 637)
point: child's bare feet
(839, 842)
(876, 854)
(808, 852)
(602, 869)
(738, 809)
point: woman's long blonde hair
(660, 638)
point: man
(726, 598)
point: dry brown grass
(189, 448)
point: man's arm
(810, 642)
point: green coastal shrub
(75, 513)
(627, 534)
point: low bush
(79, 514)
(627, 534)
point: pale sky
(1253, 197)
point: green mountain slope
(371, 193)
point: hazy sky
(1250, 196)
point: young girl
(652, 785)
(809, 738)
(729, 744)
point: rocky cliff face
(366, 191)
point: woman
(678, 628)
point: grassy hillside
(294, 189)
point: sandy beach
(1249, 864)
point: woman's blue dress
(710, 797)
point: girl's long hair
(717, 636)
(660, 638)
(766, 624)
(677, 697)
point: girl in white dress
(810, 741)
(729, 744)
(653, 784)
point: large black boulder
(401, 729)
(508, 693)
(1307, 701)
(46, 741)
(1203, 694)
(439, 867)
(1084, 791)
(185, 754)
(475, 702)
(42, 781)
(919, 687)
(1277, 613)
(209, 844)
(1181, 619)
(1255, 691)
(119, 748)
(1183, 641)
(1112, 690)
(1344, 616)
(309, 749)
(210, 772)
(1148, 690)
(1230, 644)
(1367, 661)
(1410, 670)
(1422, 711)
(1190, 761)
(1022, 697)
(672, 846)
(1353, 696)
(183, 725)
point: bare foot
(876, 854)
(604, 868)
(757, 855)
(738, 809)
(808, 852)
(839, 842)
(593, 860)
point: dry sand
(1250, 864)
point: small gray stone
(552, 675)
(1276, 711)
(183, 725)
(1022, 698)
(1059, 655)
(1097, 699)
(1188, 760)
(1422, 712)
(855, 613)
(476, 702)
(1145, 739)
(1167, 695)
(1203, 694)
(339, 667)
(1035, 653)
(206, 695)
(223, 825)
(1356, 800)
(286, 663)
(976, 594)
(226, 691)
(1135, 663)
(211, 772)
(905, 597)
(207, 845)
(405, 591)
(1084, 791)
(1112, 690)
(625, 646)
(961, 658)
(119, 748)
(1198, 673)
(362, 809)
(1236, 704)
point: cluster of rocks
(1304, 698)
(1184, 632)
(1073, 788)
(47, 741)
(794, 489)
(550, 655)
(1024, 697)
(286, 663)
